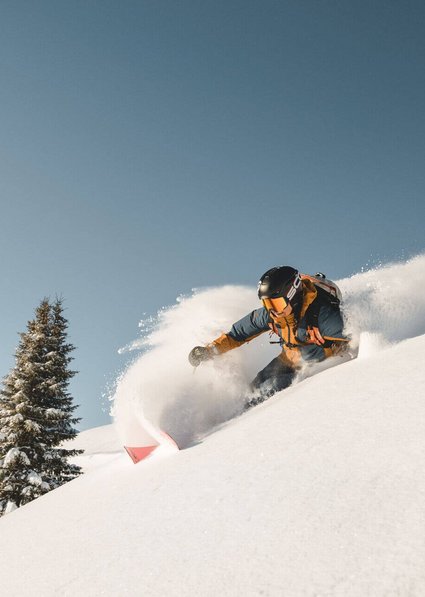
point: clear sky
(147, 148)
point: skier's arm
(244, 330)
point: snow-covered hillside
(319, 491)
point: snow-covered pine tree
(36, 412)
(60, 414)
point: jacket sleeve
(244, 330)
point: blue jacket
(292, 334)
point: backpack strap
(323, 298)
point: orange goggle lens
(275, 304)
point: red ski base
(140, 453)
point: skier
(304, 311)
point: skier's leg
(275, 376)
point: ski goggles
(278, 305)
(275, 305)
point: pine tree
(36, 412)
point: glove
(199, 354)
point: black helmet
(282, 281)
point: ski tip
(139, 453)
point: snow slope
(319, 491)
(101, 445)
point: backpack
(320, 280)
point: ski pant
(275, 376)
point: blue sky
(147, 148)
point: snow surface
(319, 491)
(101, 446)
